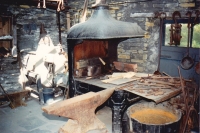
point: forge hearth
(94, 43)
(92, 49)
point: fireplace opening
(94, 58)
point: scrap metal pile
(153, 85)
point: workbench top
(134, 88)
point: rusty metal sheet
(159, 98)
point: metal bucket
(151, 124)
(48, 95)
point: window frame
(179, 21)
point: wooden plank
(5, 44)
(96, 82)
(120, 78)
(125, 66)
(121, 81)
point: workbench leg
(117, 104)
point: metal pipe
(59, 27)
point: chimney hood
(101, 25)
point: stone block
(145, 15)
(120, 50)
(145, 44)
(140, 69)
(128, 51)
(24, 6)
(133, 51)
(112, 11)
(140, 51)
(145, 57)
(123, 60)
(145, 4)
(124, 56)
(119, 14)
(136, 56)
(147, 36)
(171, 5)
(140, 19)
(187, 5)
(184, 1)
(137, 61)
(149, 24)
(114, 8)
(158, 5)
(147, 28)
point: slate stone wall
(29, 19)
(9, 75)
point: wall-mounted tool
(196, 20)
(197, 68)
(187, 62)
(175, 31)
(44, 4)
(162, 16)
(59, 7)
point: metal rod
(183, 90)
(59, 27)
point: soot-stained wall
(28, 21)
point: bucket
(48, 95)
(151, 118)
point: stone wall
(28, 21)
(9, 75)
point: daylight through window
(194, 36)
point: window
(196, 37)
(194, 33)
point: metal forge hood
(101, 25)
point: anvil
(81, 111)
